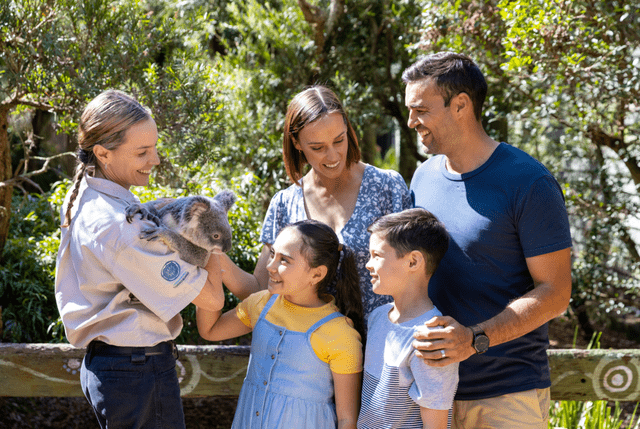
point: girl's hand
(211, 297)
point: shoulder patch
(170, 271)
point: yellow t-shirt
(335, 342)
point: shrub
(27, 271)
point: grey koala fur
(193, 226)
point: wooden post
(583, 375)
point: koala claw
(150, 233)
(145, 213)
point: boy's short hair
(414, 229)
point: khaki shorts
(521, 410)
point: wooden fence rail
(53, 370)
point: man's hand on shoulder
(442, 347)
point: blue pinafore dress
(287, 385)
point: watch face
(481, 343)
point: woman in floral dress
(338, 190)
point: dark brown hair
(453, 73)
(306, 107)
(320, 246)
(414, 229)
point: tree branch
(26, 177)
(336, 9)
(317, 18)
(619, 146)
(323, 22)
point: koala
(193, 226)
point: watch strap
(477, 330)
(480, 340)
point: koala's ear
(226, 198)
(197, 208)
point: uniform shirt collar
(110, 188)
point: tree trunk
(409, 155)
(408, 162)
(585, 323)
(5, 174)
(623, 149)
(368, 143)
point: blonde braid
(76, 187)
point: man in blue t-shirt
(508, 268)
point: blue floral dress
(381, 192)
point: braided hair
(104, 122)
(320, 246)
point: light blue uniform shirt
(113, 286)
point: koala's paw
(145, 214)
(133, 210)
(151, 233)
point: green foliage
(27, 273)
(577, 61)
(62, 53)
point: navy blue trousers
(133, 391)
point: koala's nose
(226, 245)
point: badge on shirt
(171, 271)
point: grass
(590, 415)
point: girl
(304, 352)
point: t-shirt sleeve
(340, 346)
(543, 223)
(433, 387)
(156, 276)
(248, 311)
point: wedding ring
(442, 353)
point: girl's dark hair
(308, 106)
(320, 246)
(104, 122)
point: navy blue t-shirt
(508, 209)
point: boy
(399, 390)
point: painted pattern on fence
(54, 370)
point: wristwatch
(480, 340)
